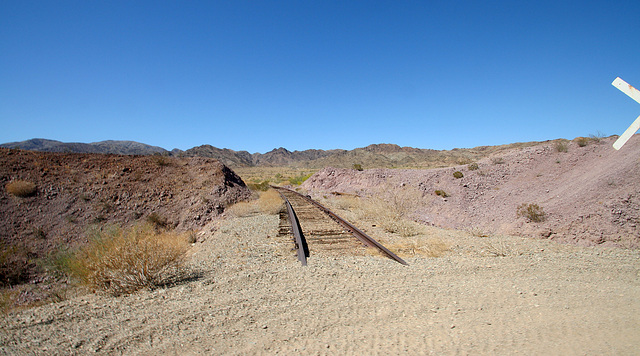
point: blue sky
(257, 75)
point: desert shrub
(497, 160)
(473, 166)
(162, 161)
(158, 221)
(441, 193)
(561, 146)
(259, 186)
(39, 233)
(243, 208)
(432, 247)
(581, 141)
(357, 167)
(120, 261)
(597, 137)
(297, 180)
(14, 265)
(392, 208)
(270, 202)
(532, 212)
(458, 174)
(21, 188)
(499, 248)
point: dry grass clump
(158, 220)
(532, 212)
(441, 193)
(581, 141)
(431, 247)
(561, 146)
(21, 188)
(391, 209)
(268, 202)
(119, 261)
(500, 248)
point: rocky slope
(75, 191)
(591, 194)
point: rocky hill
(112, 147)
(72, 192)
(590, 194)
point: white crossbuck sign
(635, 95)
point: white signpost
(634, 94)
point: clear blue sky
(256, 75)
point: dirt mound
(74, 191)
(590, 194)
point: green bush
(357, 167)
(299, 179)
(261, 186)
(441, 193)
(473, 166)
(458, 174)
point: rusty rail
(359, 234)
(298, 237)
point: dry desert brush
(120, 261)
(532, 212)
(21, 188)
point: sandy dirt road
(253, 297)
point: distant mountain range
(113, 147)
(372, 156)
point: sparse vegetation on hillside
(458, 174)
(21, 188)
(473, 166)
(120, 261)
(441, 193)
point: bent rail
(359, 234)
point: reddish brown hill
(591, 194)
(74, 191)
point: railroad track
(322, 231)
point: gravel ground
(253, 297)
